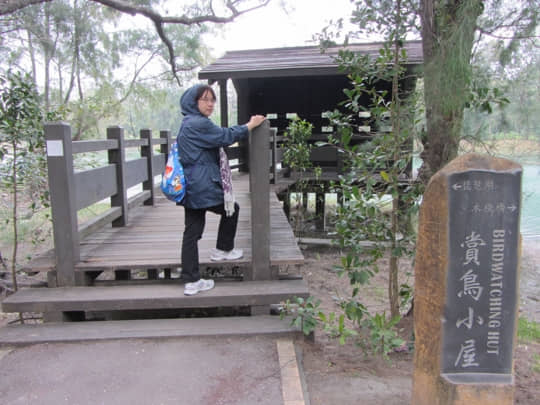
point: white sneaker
(219, 255)
(197, 286)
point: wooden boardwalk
(153, 236)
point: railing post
(63, 204)
(118, 158)
(165, 147)
(147, 152)
(259, 185)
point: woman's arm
(205, 134)
(255, 121)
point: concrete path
(191, 370)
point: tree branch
(159, 21)
(10, 6)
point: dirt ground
(345, 375)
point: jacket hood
(188, 101)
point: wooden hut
(302, 81)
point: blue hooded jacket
(199, 140)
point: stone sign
(466, 281)
(481, 291)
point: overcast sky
(273, 27)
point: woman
(199, 142)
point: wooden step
(267, 325)
(151, 297)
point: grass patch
(30, 225)
(528, 331)
(536, 363)
(93, 210)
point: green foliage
(21, 137)
(306, 316)
(335, 327)
(483, 99)
(297, 158)
(528, 331)
(377, 173)
(380, 335)
(536, 365)
(92, 65)
(358, 267)
(21, 145)
(304, 313)
(513, 24)
(297, 148)
(406, 294)
(379, 200)
(513, 109)
(20, 113)
(383, 337)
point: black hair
(203, 89)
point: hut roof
(296, 61)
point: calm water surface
(530, 210)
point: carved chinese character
(467, 355)
(500, 208)
(469, 320)
(476, 208)
(471, 287)
(472, 242)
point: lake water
(530, 191)
(530, 210)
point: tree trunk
(48, 56)
(14, 219)
(448, 29)
(393, 285)
(32, 56)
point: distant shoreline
(521, 150)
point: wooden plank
(15, 335)
(99, 221)
(94, 185)
(158, 163)
(93, 146)
(135, 297)
(324, 154)
(153, 237)
(138, 199)
(133, 143)
(135, 172)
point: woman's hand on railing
(255, 121)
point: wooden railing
(71, 191)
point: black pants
(195, 220)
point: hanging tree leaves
(199, 13)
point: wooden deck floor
(153, 237)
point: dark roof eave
(285, 72)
